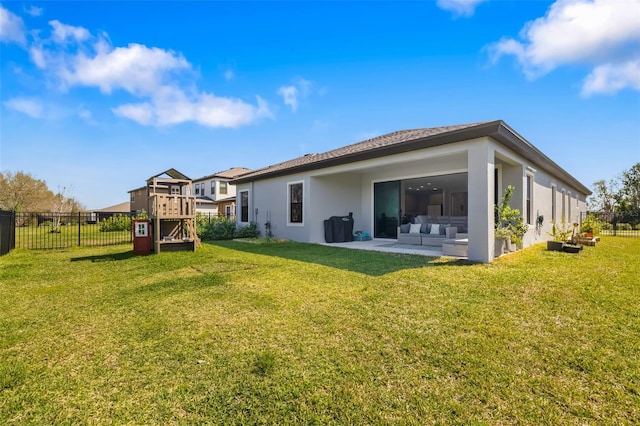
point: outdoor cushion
(435, 229)
(415, 228)
(443, 228)
(424, 228)
(405, 228)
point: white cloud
(34, 11)
(289, 96)
(29, 106)
(172, 106)
(11, 28)
(300, 89)
(62, 32)
(609, 78)
(160, 80)
(459, 7)
(603, 34)
(137, 69)
(86, 115)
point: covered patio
(391, 246)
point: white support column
(481, 159)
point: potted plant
(509, 225)
(573, 247)
(591, 226)
(501, 236)
(559, 235)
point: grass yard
(41, 237)
(288, 333)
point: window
(554, 197)
(175, 190)
(223, 188)
(197, 189)
(213, 187)
(530, 199)
(244, 205)
(295, 202)
(228, 211)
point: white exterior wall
(338, 190)
(215, 195)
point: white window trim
(239, 206)
(554, 202)
(289, 223)
(531, 220)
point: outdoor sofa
(429, 231)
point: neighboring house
(214, 193)
(138, 200)
(459, 170)
(107, 212)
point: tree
(21, 192)
(629, 194)
(603, 198)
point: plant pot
(499, 247)
(555, 245)
(572, 248)
(509, 246)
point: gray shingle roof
(415, 139)
(314, 161)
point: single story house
(458, 171)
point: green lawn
(287, 333)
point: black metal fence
(622, 224)
(44, 230)
(7, 231)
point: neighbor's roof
(226, 174)
(412, 140)
(117, 208)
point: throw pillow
(443, 229)
(435, 229)
(405, 228)
(415, 228)
(424, 229)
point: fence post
(79, 229)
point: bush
(592, 223)
(116, 223)
(216, 228)
(607, 226)
(637, 227)
(249, 231)
(624, 227)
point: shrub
(607, 226)
(249, 231)
(215, 228)
(624, 227)
(116, 223)
(592, 224)
(637, 227)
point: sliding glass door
(386, 209)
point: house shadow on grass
(371, 263)
(105, 257)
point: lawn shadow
(105, 257)
(371, 263)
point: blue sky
(95, 97)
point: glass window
(213, 187)
(530, 199)
(197, 189)
(554, 196)
(295, 202)
(244, 206)
(223, 188)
